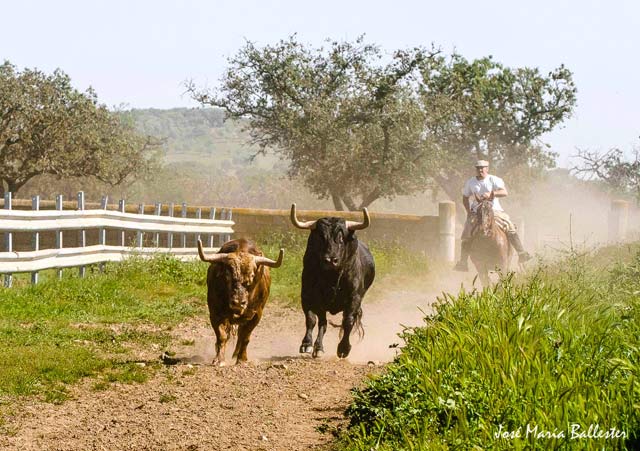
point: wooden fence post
(158, 211)
(170, 235)
(59, 242)
(82, 235)
(229, 216)
(184, 215)
(102, 232)
(212, 215)
(198, 216)
(8, 240)
(140, 234)
(618, 218)
(35, 240)
(447, 230)
(121, 209)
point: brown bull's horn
(301, 225)
(213, 258)
(270, 263)
(353, 225)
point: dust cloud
(387, 310)
(554, 214)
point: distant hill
(194, 134)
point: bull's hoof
(317, 353)
(343, 350)
(217, 362)
(306, 349)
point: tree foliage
(483, 110)
(350, 125)
(48, 127)
(620, 174)
(356, 123)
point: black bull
(337, 271)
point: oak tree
(346, 117)
(48, 127)
(481, 109)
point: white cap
(482, 163)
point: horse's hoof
(306, 349)
(317, 353)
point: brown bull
(238, 283)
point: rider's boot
(514, 239)
(463, 265)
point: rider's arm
(465, 202)
(502, 192)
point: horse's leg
(484, 277)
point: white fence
(147, 230)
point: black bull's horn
(258, 259)
(351, 225)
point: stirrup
(461, 266)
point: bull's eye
(340, 238)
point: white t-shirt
(479, 187)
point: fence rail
(33, 226)
(49, 220)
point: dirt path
(278, 401)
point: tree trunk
(370, 198)
(452, 186)
(337, 202)
(13, 187)
(348, 201)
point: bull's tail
(357, 325)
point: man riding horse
(478, 189)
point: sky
(140, 53)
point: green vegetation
(56, 332)
(531, 358)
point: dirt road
(278, 401)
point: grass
(516, 366)
(57, 332)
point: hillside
(194, 134)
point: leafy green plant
(533, 359)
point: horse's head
(484, 215)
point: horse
(489, 248)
